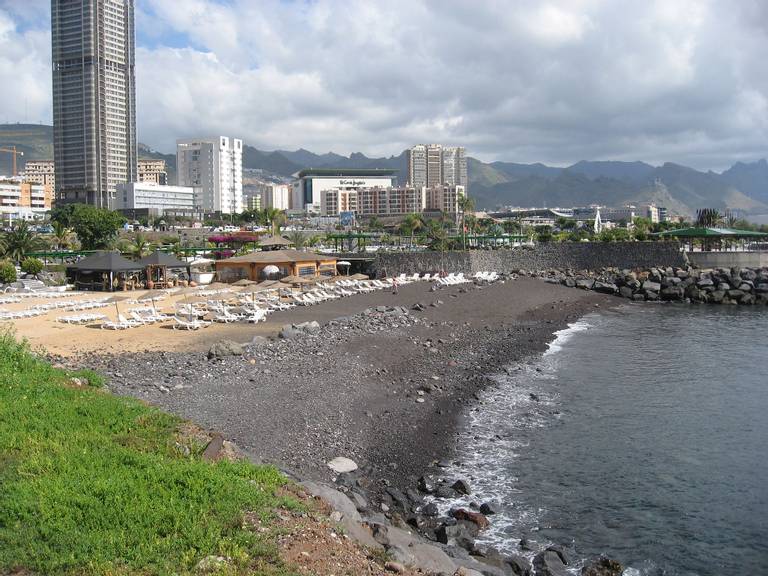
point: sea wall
(551, 255)
(728, 259)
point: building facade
(392, 200)
(158, 200)
(21, 200)
(434, 165)
(153, 171)
(277, 196)
(41, 172)
(214, 167)
(94, 99)
(334, 201)
(444, 198)
(307, 189)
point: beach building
(259, 266)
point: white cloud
(554, 81)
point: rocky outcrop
(742, 286)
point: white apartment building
(277, 196)
(214, 167)
(417, 166)
(156, 198)
(454, 166)
(153, 170)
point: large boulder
(520, 565)
(605, 288)
(475, 518)
(549, 563)
(585, 283)
(672, 293)
(225, 348)
(650, 286)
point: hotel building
(307, 189)
(214, 167)
(24, 200)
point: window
(306, 271)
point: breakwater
(552, 255)
(744, 286)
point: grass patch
(94, 379)
(96, 484)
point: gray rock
(602, 567)
(520, 565)
(462, 487)
(626, 292)
(548, 563)
(490, 508)
(341, 465)
(225, 348)
(651, 286)
(605, 288)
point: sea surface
(641, 434)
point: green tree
(411, 224)
(20, 241)
(32, 266)
(375, 224)
(466, 204)
(7, 272)
(543, 233)
(140, 246)
(62, 235)
(273, 218)
(298, 239)
(436, 236)
(95, 227)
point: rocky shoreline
(742, 286)
(384, 388)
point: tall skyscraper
(454, 166)
(434, 165)
(94, 99)
(417, 166)
(214, 168)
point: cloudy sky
(518, 80)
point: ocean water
(647, 441)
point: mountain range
(681, 189)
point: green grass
(95, 484)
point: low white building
(157, 199)
(24, 200)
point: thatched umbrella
(359, 277)
(114, 300)
(244, 282)
(294, 280)
(150, 297)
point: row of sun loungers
(81, 318)
(19, 314)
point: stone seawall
(566, 255)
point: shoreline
(387, 388)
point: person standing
(394, 286)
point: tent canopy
(105, 261)
(158, 258)
(701, 232)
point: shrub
(7, 272)
(32, 266)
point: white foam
(562, 336)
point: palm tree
(466, 204)
(20, 241)
(274, 218)
(375, 224)
(140, 246)
(62, 236)
(298, 239)
(708, 218)
(410, 225)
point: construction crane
(14, 153)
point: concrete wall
(566, 255)
(728, 259)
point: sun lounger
(184, 324)
(257, 315)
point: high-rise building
(417, 166)
(214, 167)
(94, 99)
(434, 165)
(277, 196)
(454, 166)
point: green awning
(695, 232)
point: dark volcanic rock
(489, 508)
(225, 348)
(520, 565)
(462, 487)
(602, 567)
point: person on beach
(394, 286)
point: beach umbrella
(359, 277)
(151, 297)
(115, 300)
(244, 282)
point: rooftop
(275, 256)
(344, 172)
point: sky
(516, 80)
